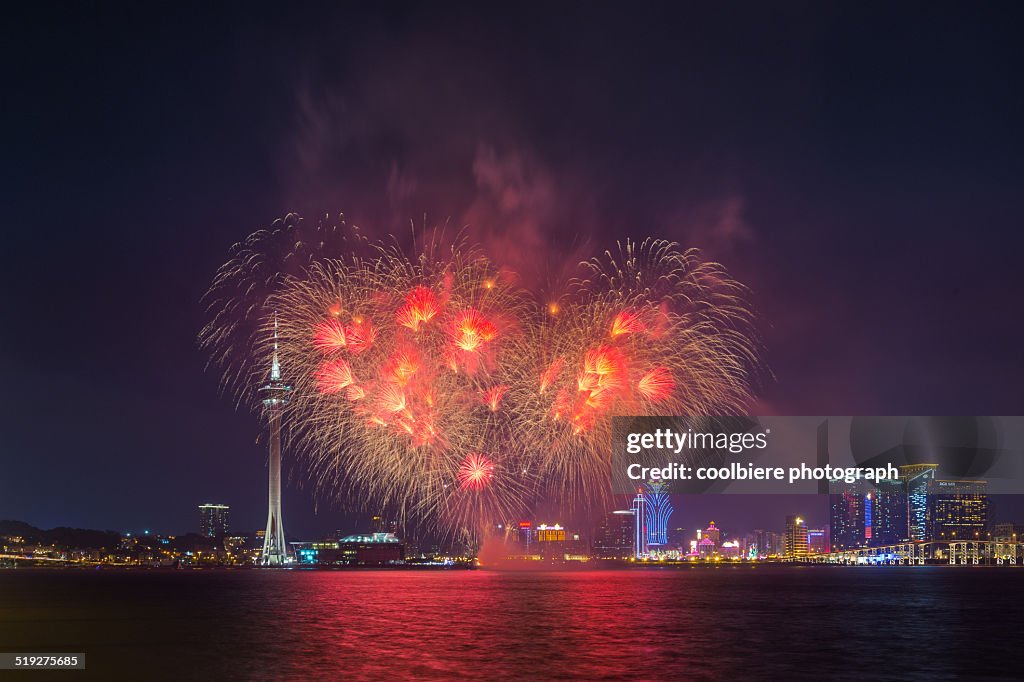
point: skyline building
(659, 510)
(817, 541)
(765, 542)
(614, 539)
(522, 534)
(957, 510)
(915, 478)
(550, 533)
(888, 505)
(796, 537)
(639, 508)
(275, 397)
(713, 533)
(213, 519)
(846, 515)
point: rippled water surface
(740, 622)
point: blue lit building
(916, 479)
(651, 511)
(658, 510)
(888, 505)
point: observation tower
(275, 396)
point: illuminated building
(555, 543)
(374, 549)
(370, 549)
(236, 544)
(614, 539)
(796, 537)
(817, 541)
(957, 510)
(639, 509)
(275, 394)
(888, 504)
(766, 543)
(552, 543)
(546, 533)
(659, 510)
(916, 478)
(520, 534)
(862, 514)
(846, 515)
(213, 520)
(713, 533)
(378, 524)
(730, 549)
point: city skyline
(562, 341)
(131, 202)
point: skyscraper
(796, 537)
(639, 509)
(614, 539)
(915, 479)
(213, 520)
(867, 514)
(275, 396)
(846, 515)
(659, 510)
(957, 510)
(888, 513)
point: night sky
(860, 169)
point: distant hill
(11, 527)
(78, 538)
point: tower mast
(275, 396)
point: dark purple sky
(860, 169)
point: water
(739, 622)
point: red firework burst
(657, 385)
(550, 375)
(626, 322)
(359, 335)
(420, 306)
(329, 336)
(492, 396)
(476, 472)
(472, 331)
(334, 376)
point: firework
(236, 302)
(650, 330)
(399, 368)
(432, 385)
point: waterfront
(779, 622)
